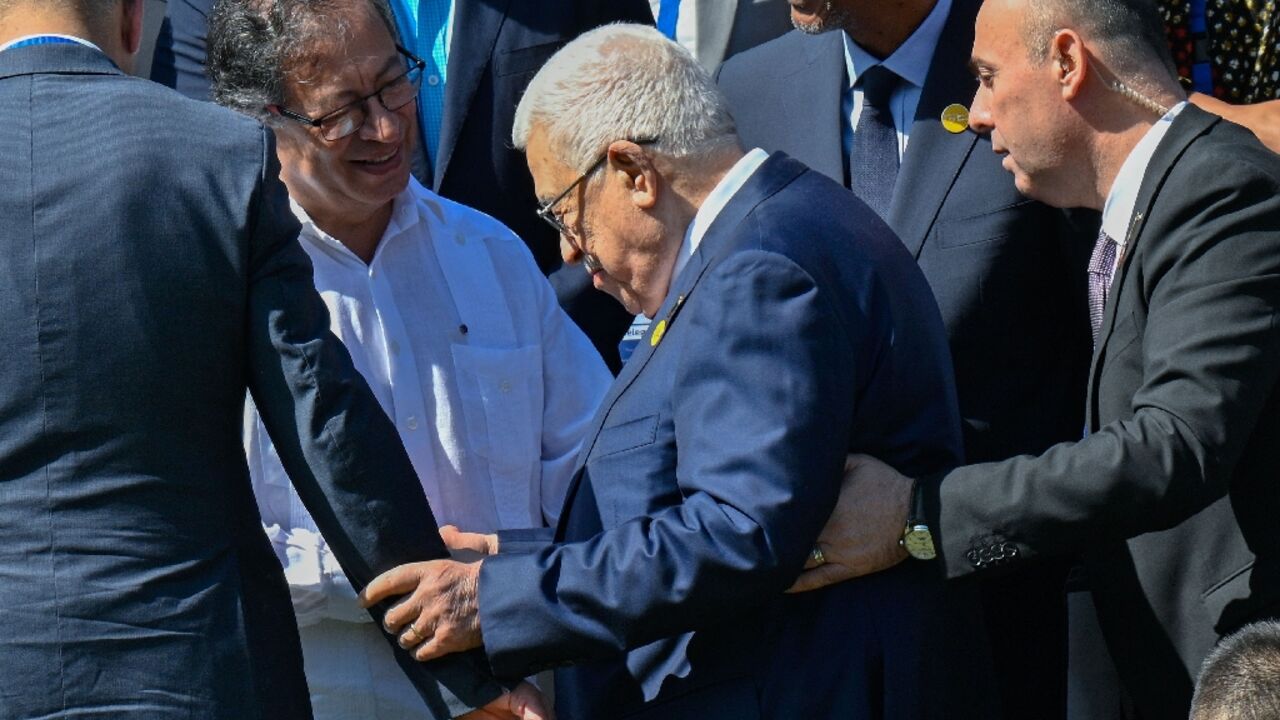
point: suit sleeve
(760, 421)
(339, 449)
(1208, 275)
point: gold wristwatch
(916, 537)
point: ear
(131, 28)
(1070, 62)
(640, 175)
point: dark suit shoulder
(781, 55)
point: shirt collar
(719, 196)
(1121, 201)
(404, 216)
(72, 38)
(912, 58)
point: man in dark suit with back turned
(1171, 499)
(780, 336)
(149, 274)
(858, 92)
(494, 47)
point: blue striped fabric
(41, 40)
(424, 27)
(669, 17)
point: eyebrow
(348, 95)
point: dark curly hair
(254, 44)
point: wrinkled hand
(440, 613)
(468, 546)
(523, 703)
(862, 534)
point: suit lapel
(775, 173)
(816, 83)
(1190, 124)
(935, 156)
(475, 32)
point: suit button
(411, 422)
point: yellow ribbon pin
(658, 331)
(955, 118)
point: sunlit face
(1019, 102)
(623, 247)
(359, 175)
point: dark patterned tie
(1102, 266)
(873, 159)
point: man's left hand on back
(862, 535)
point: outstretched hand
(862, 534)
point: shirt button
(505, 386)
(411, 422)
(433, 80)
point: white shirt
(493, 430)
(910, 62)
(1117, 211)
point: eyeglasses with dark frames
(341, 122)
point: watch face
(919, 543)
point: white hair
(623, 82)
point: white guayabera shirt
(492, 414)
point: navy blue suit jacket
(498, 46)
(1007, 272)
(149, 274)
(791, 338)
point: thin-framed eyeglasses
(393, 94)
(546, 211)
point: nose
(381, 124)
(569, 250)
(980, 120)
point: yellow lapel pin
(955, 118)
(658, 331)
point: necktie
(873, 158)
(433, 31)
(1102, 266)
(668, 17)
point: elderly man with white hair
(790, 325)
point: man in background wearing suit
(481, 55)
(1171, 498)
(873, 94)
(780, 337)
(149, 274)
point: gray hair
(624, 82)
(254, 45)
(1240, 680)
(1129, 34)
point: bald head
(1128, 35)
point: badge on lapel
(955, 118)
(660, 328)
